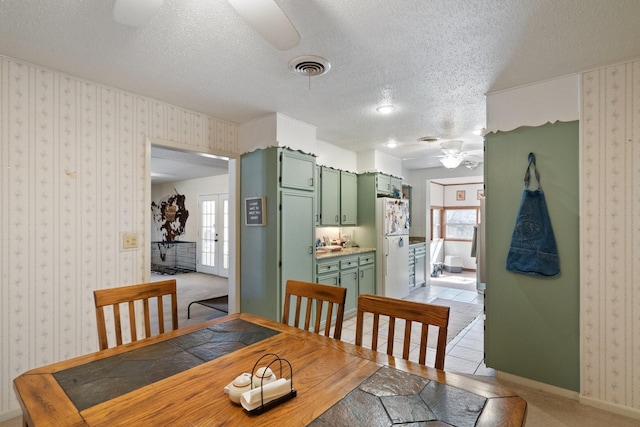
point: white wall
(277, 130)
(335, 157)
(191, 189)
(376, 161)
(74, 162)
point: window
(459, 223)
(436, 223)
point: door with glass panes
(213, 233)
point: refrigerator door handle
(387, 243)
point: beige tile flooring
(465, 352)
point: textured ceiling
(434, 59)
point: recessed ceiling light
(391, 144)
(477, 132)
(386, 109)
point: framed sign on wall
(255, 212)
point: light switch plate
(129, 241)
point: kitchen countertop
(343, 252)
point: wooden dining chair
(146, 293)
(306, 293)
(409, 311)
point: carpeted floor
(193, 287)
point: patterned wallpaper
(73, 179)
(610, 226)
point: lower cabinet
(357, 273)
(367, 273)
(417, 259)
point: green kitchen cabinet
(327, 273)
(330, 196)
(338, 197)
(386, 184)
(298, 170)
(395, 186)
(282, 246)
(318, 194)
(367, 273)
(356, 273)
(348, 198)
(349, 280)
(383, 184)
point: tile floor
(465, 352)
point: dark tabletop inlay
(392, 382)
(357, 408)
(193, 339)
(214, 350)
(407, 409)
(96, 382)
(393, 397)
(453, 405)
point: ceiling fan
(453, 155)
(264, 15)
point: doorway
(182, 169)
(213, 256)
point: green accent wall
(532, 322)
(260, 245)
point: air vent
(309, 66)
(428, 139)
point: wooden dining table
(178, 379)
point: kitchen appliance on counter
(392, 251)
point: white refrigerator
(392, 251)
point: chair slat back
(315, 294)
(409, 311)
(145, 292)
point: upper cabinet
(348, 198)
(298, 170)
(338, 197)
(383, 183)
(387, 185)
(330, 196)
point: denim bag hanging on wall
(533, 246)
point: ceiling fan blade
(135, 13)
(269, 20)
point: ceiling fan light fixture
(451, 147)
(451, 161)
(471, 165)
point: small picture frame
(460, 195)
(480, 194)
(255, 211)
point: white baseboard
(585, 400)
(611, 407)
(547, 388)
(4, 416)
